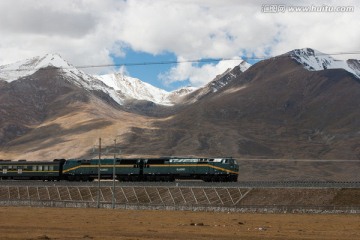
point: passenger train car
(130, 169)
(31, 170)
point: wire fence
(197, 207)
(240, 184)
(218, 199)
(127, 195)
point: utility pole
(114, 162)
(99, 165)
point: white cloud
(197, 75)
(80, 31)
(86, 32)
(195, 29)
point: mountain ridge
(277, 108)
(314, 60)
(118, 86)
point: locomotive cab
(232, 164)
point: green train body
(154, 169)
(130, 169)
(31, 170)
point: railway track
(242, 184)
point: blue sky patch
(147, 67)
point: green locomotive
(154, 169)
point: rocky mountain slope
(302, 104)
(275, 109)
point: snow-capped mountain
(314, 60)
(271, 110)
(14, 71)
(133, 88)
(118, 86)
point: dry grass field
(51, 223)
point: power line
(129, 64)
(209, 60)
(161, 62)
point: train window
(226, 161)
(128, 161)
(51, 168)
(40, 168)
(34, 168)
(156, 161)
(9, 167)
(46, 168)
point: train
(124, 169)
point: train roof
(26, 162)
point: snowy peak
(118, 86)
(12, 72)
(314, 60)
(133, 88)
(52, 60)
(225, 78)
(244, 66)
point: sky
(99, 32)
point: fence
(128, 195)
(206, 208)
(183, 196)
